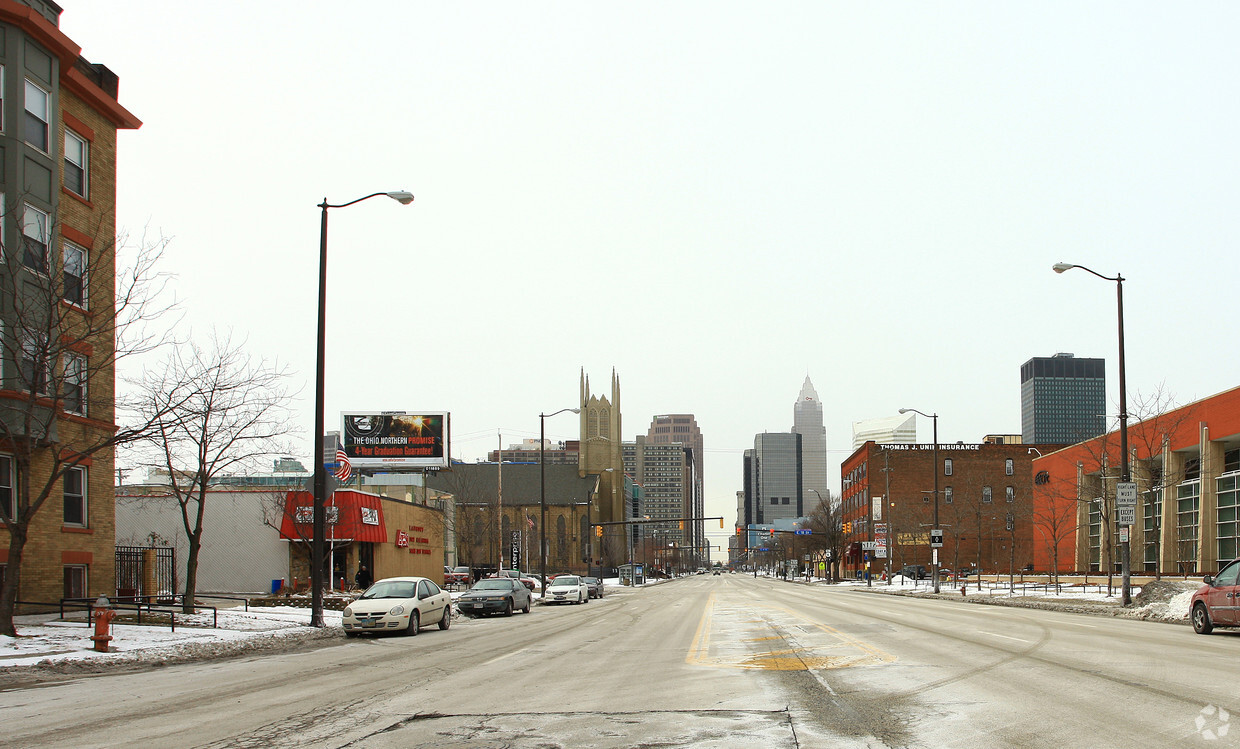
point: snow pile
(62, 646)
(1165, 600)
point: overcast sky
(714, 198)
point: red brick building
(1186, 464)
(985, 505)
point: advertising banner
(395, 439)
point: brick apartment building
(58, 131)
(984, 503)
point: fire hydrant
(964, 589)
(104, 615)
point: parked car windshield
(396, 589)
(493, 585)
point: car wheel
(414, 624)
(446, 620)
(526, 610)
(1201, 620)
(508, 608)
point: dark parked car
(595, 585)
(1214, 603)
(914, 572)
(495, 595)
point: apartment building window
(34, 234)
(947, 494)
(1008, 467)
(987, 497)
(1010, 494)
(75, 581)
(75, 384)
(77, 158)
(37, 117)
(8, 497)
(947, 466)
(74, 259)
(34, 368)
(75, 496)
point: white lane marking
(505, 655)
(1006, 637)
(1078, 624)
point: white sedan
(565, 588)
(398, 604)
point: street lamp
(320, 473)
(1124, 477)
(827, 506)
(935, 532)
(542, 493)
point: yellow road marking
(800, 657)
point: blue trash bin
(276, 585)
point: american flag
(345, 469)
(529, 520)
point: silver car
(398, 604)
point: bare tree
(215, 410)
(1055, 516)
(65, 326)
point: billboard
(395, 439)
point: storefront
(391, 537)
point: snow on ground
(43, 641)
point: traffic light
(598, 531)
(740, 531)
(770, 531)
(720, 523)
(682, 525)
(847, 528)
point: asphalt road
(708, 661)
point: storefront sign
(402, 539)
(370, 516)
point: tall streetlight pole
(1124, 476)
(542, 494)
(320, 472)
(935, 532)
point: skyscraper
(773, 484)
(682, 429)
(807, 422)
(1062, 399)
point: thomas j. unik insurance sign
(394, 439)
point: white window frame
(46, 118)
(76, 369)
(1009, 493)
(66, 249)
(39, 226)
(85, 570)
(1009, 466)
(987, 495)
(11, 488)
(72, 138)
(947, 466)
(81, 496)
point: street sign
(936, 538)
(1125, 516)
(867, 546)
(880, 552)
(804, 532)
(1123, 534)
(1126, 494)
(828, 553)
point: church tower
(600, 454)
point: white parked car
(398, 604)
(567, 588)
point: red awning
(351, 516)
